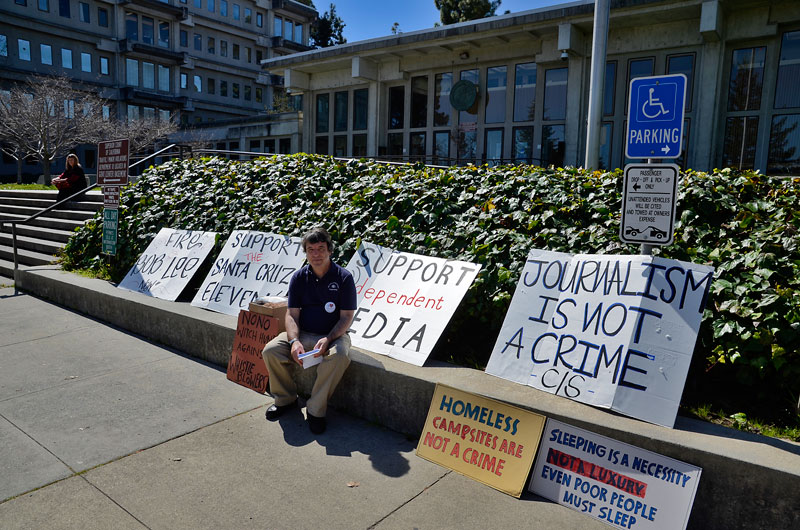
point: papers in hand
(308, 358)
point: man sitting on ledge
(322, 302)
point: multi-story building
(530, 78)
(195, 61)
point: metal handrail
(15, 222)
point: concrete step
(41, 204)
(60, 213)
(46, 234)
(94, 195)
(26, 257)
(31, 243)
(45, 222)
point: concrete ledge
(748, 481)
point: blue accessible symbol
(655, 117)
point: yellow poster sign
(481, 438)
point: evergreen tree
(453, 11)
(327, 30)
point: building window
(184, 37)
(69, 108)
(106, 112)
(235, 11)
(84, 12)
(739, 148)
(184, 81)
(747, 78)
(198, 4)
(340, 104)
(133, 112)
(493, 145)
(248, 93)
(47, 53)
(471, 115)
(248, 54)
(606, 145)
(786, 93)
(86, 62)
(235, 90)
(277, 26)
(416, 145)
(148, 31)
(198, 42)
(419, 101)
(784, 145)
(609, 90)
(524, 92)
(211, 85)
(683, 64)
(223, 48)
(323, 115)
(148, 75)
(553, 143)
(441, 147)
(259, 56)
(66, 58)
(223, 88)
(321, 145)
(288, 29)
(359, 145)
(522, 147)
(259, 95)
(394, 144)
(496, 96)
(236, 52)
(132, 72)
(63, 8)
(259, 19)
(223, 8)
(44, 5)
(198, 84)
(340, 145)
(442, 110)
(3, 46)
(248, 15)
(211, 43)
(396, 106)
(102, 17)
(298, 33)
(164, 115)
(360, 109)
(211, 6)
(555, 94)
(24, 48)
(131, 26)
(104, 65)
(163, 34)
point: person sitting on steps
(72, 180)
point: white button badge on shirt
(330, 307)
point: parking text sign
(655, 116)
(648, 204)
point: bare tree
(12, 138)
(141, 133)
(46, 117)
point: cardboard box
(273, 309)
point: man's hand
(322, 346)
(297, 350)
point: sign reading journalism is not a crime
(655, 116)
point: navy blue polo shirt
(321, 299)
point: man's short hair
(318, 235)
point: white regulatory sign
(648, 203)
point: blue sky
(367, 19)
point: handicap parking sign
(655, 117)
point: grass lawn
(26, 187)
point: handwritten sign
(251, 264)
(246, 366)
(481, 438)
(168, 263)
(620, 484)
(615, 332)
(405, 300)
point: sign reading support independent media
(616, 332)
(620, 484)
(405, 300)
(169, 263)
(252, 264)
(481, 438)
(648, 204)
(655, 116)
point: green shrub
(744, 224)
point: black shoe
(315, 424)
(275, 411)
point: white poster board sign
(405, 300)
(616, 332)
(252, 264)
(169, 262)
(620, 484)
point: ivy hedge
(743, 223)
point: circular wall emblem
(463, 95)
(330, 307)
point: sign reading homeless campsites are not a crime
(252, 264)
(616, 332)
(620, 484)
(405, 300)
(481, 438)
(169, 262)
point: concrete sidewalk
(100, 428)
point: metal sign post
(112, 174)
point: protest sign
(481, 438)
(620, 484)
(252, 264)
(405, 300)
(169, 262)
(246, 366)
(612, 331)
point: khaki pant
(278, 358)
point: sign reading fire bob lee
(616, 332)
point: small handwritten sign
(246, 366)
